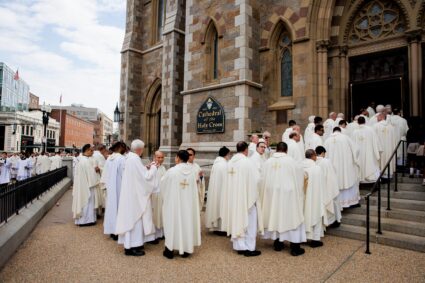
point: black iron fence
(15, 196)
(377, 188)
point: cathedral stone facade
(265, 62)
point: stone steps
(401, 214)
(387, 224)
(403, 226)
(389, 238)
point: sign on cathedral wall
(210, 118)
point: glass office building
(14, 94)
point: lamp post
(118, 116)
(45, 109)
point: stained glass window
(377, 19)
(285, 65)
(215, 52)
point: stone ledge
(19, 227)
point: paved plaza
(58, 251)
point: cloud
(64, 47)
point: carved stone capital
(414, 35)
(322, 45)
(343, 50)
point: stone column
(131, 73)
(344, 105)
(172, 79)
(322, 73)
(415, 72)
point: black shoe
(168, 254)
(411, 176)
(316, 244)
(154, 242)
(185, 255)
(296, 250)
(87, 224)
(355, 205)
(241, 252)
(114, 237)
(336, 224)
(252, 253)
(139, 248)
(278, 246)
(220, 233)
(134, 252)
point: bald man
(156, 196)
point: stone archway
(152, 115)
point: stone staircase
(403, 226)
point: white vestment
(351, 127)
(294, 150)
(309, 130)
(373, 120)
(157, 203)
(14, 167)
(83, 192)
(370, 111)
(258, 160)
(252, 148)
(286, 133)
(242, 211)
(314, 210)
(43, 164)
(55, 162)
(218, 178)
(387, 140)
(134, 224)
(24, 169)
(331, 192)
(111, 179)
(400, 128)
(98, 160)
(200, 183)
(343, 154)
(283, 202)
(328, 127)
(180, 210)
(369, 150)
(315, 141)
(5, 165)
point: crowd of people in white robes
(291, 193)
(21, 166)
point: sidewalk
(58, 251)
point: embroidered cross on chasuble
(231, 172)
(184, 184)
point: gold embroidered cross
(184, 184)
(361, 138)
(231, 172)
(276, 166)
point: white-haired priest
(134, 220)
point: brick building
(75, 132)
(265, 62)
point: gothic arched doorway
(153, 121)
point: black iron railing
(377, 188)
(15, 196)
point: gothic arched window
(376, 19)
(285, 52)
(158, 21)
(212, 53)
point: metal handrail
(377, 188)
(17, 195)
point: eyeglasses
(266, 138)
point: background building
(102, 124)
(34, 103)
(14, 91)
(75, 132)
(264, 62)
(24, 131)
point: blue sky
(65, 46)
